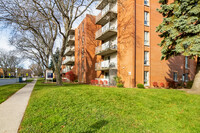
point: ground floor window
(106, 75)
(175, 76)
(186, 77)
(146, 78)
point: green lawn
(30, 80)
(77, 108)
(7, 90)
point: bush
(71, 76)
(76, 80)
(105, 82)
(101, 82)
(140, 86)
(189, 84)
(120, 85)
(54, 79)
(155, 84)
(118, 81)
(96, 82)
(162, 85)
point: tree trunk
(58, 77)
(3, 74)
(196, 83)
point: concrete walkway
(12, 110)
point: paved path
(12, 110)
(8, 81)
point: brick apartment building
(129, 46)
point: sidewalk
(12, 110)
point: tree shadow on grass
(96, 126)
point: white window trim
(186, 62)
(148, 18)
(148, 77)
(176, 80)
(147, 3)
(148, 59)
(146, 37)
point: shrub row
(101, 82)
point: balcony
(70, 50)
(71, 39)
(69, 60)
(106, 48)
(107, 14)
(65, 70)
(103, 3)
(105, 65)
(106, 31)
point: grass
(7, 90)
(29, 80)
(77, 108)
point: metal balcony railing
(109, 26)
(104, 65)
(71, 37)
(106, 47)
(69, 49)
(69, 59)
(110, 7)
(65, 70)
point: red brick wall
(160, 71)
(88, 46)
(126, 44)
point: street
(8, 81)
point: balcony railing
(65, 70)
(109, 8)
(69, 60)
(105, 65)
(69, 50)
(70, 39)
(106, 48)
(112, 27)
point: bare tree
(36, 69)
(41, 17)
(9, 62)
(31, 48)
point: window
(146, 18)
(186, 62)
(146, 2)
(146, 58)
(175, 76)
(183, 77)
(146, 38)
(186, 77)
(146, 78)
(106, 75)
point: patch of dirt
(192, 91)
